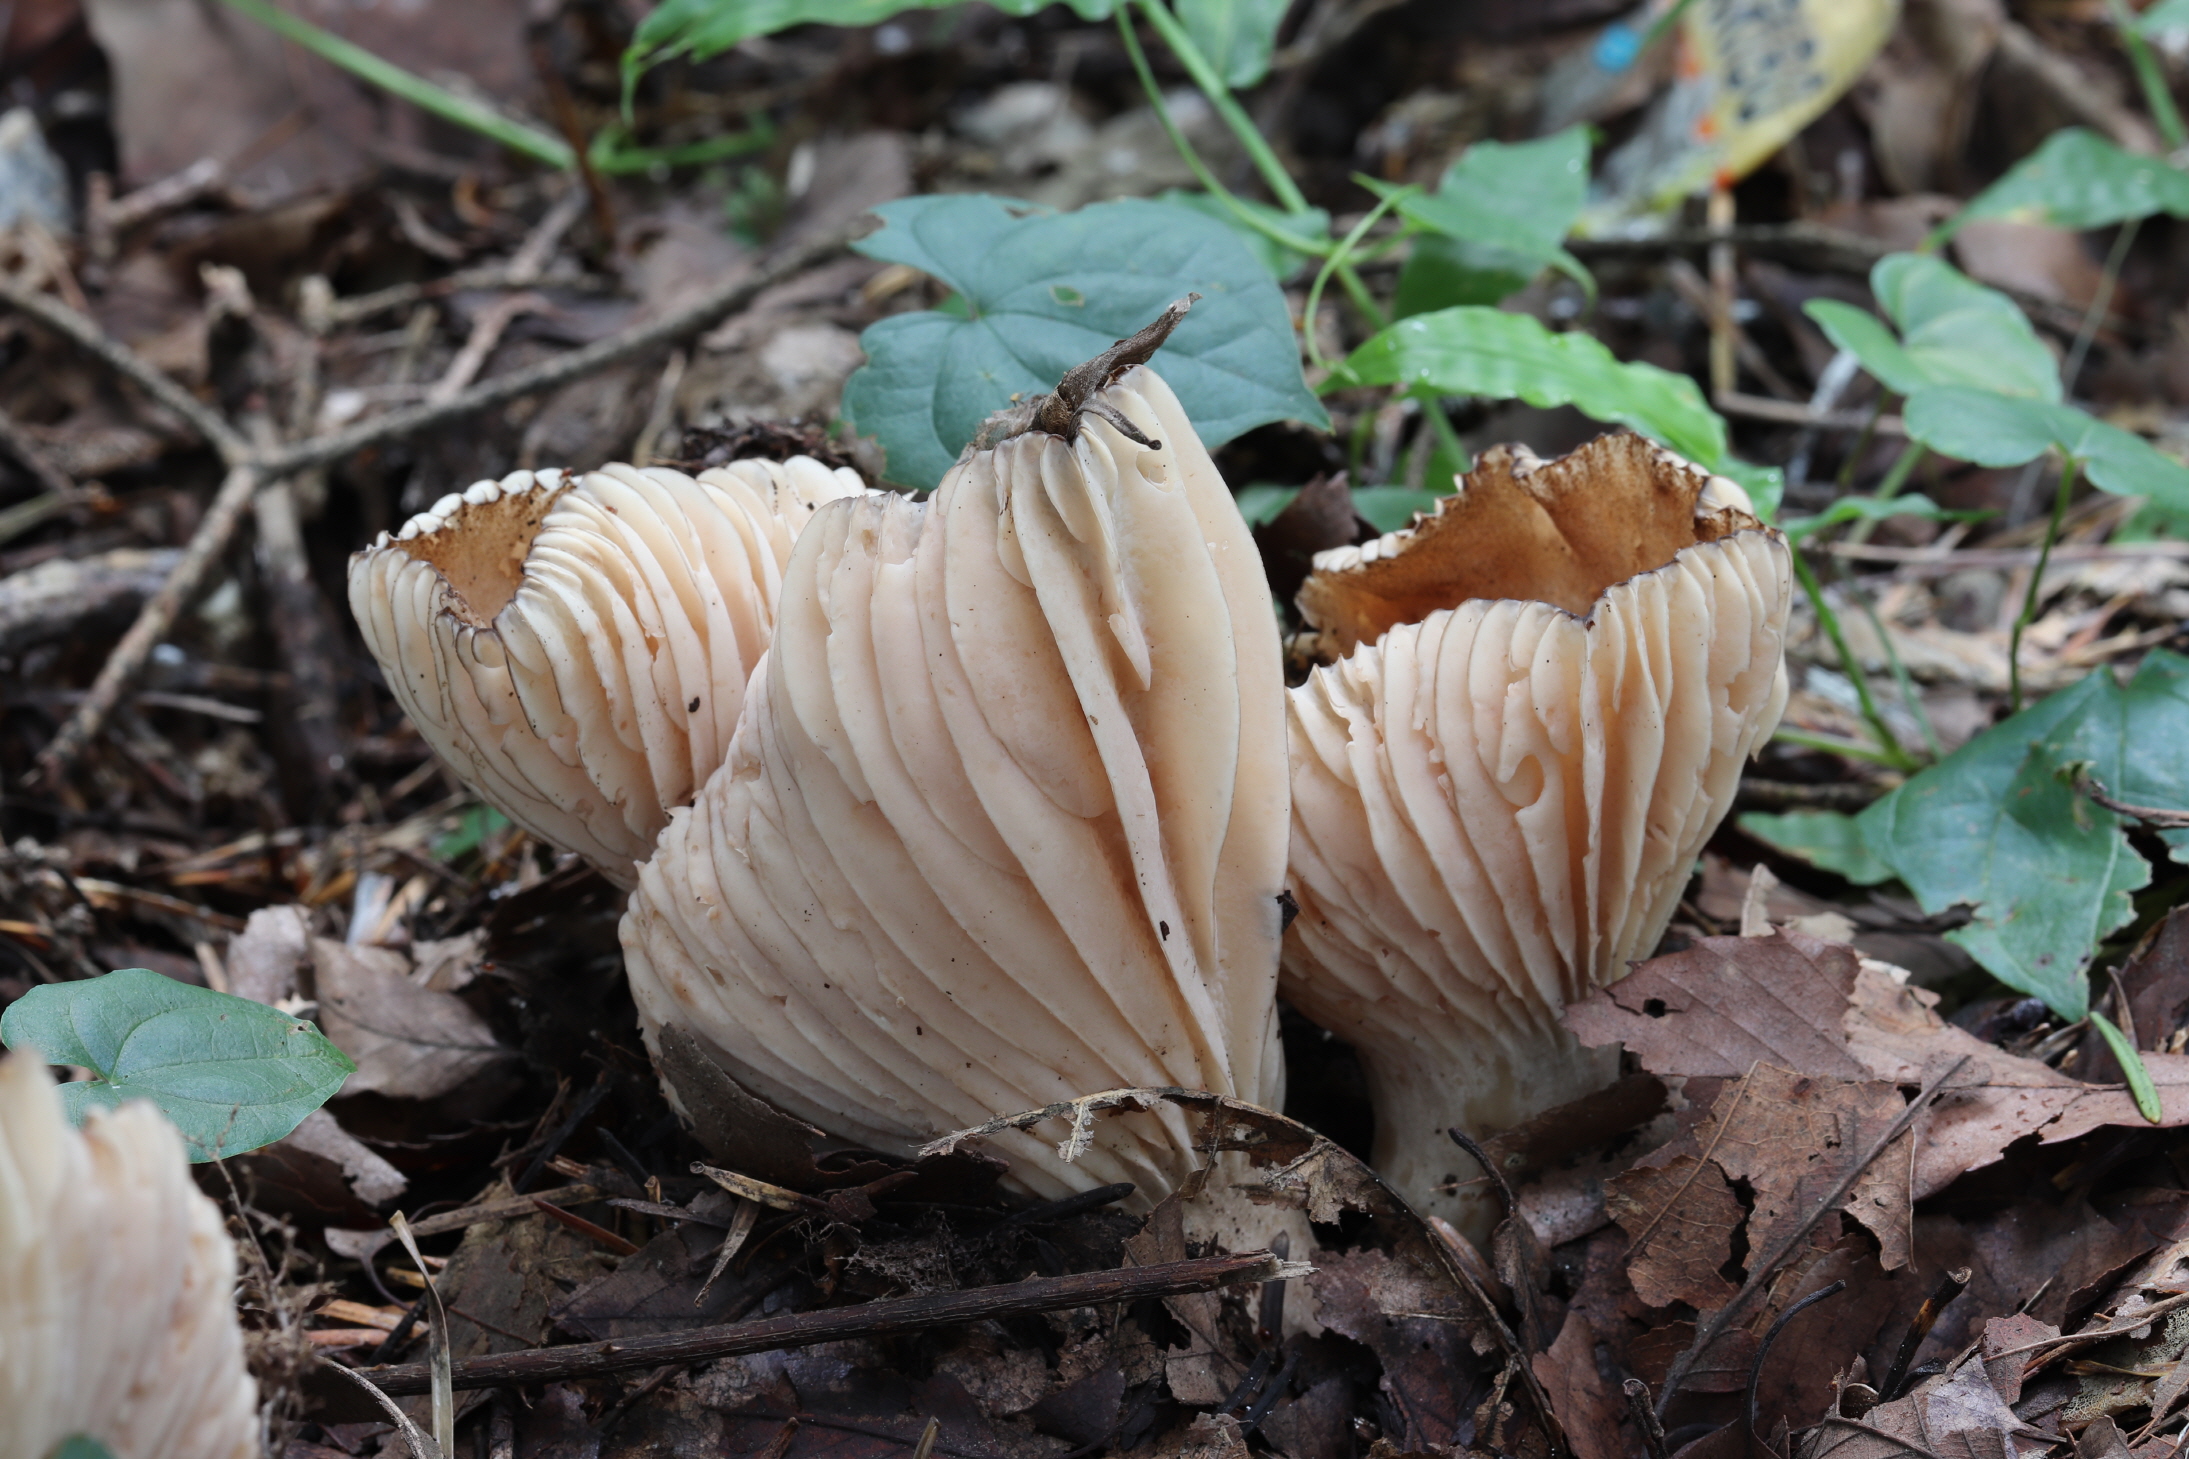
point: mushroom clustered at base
(117, 1286)
(1004, 823)
(577, 649)
(1498, 793)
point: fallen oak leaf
(1820, 1009)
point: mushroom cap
(1496, 801)
(577, 650)
(117, 1286)
(1004, 823)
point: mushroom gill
(576, 650)
(1004, 823)
(117, 1286)
(1499, 792)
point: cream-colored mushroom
(117, 1286)
(1005, 821)
(577, 650)
(1499, 793)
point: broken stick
(249, 470)
(867, 1319)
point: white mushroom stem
(1005, 821)
(117, 1286)
(577, 651)
(1497, 807)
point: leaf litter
(475, 977)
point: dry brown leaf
(1818, 1009)
(1681, 1217)
(1384, 1304)
(408, 1041)
(1583, 1402)
(1792, 1137)
(1957, 1414)
(1726, 1003)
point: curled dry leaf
(577, 649)
(409, 1041)
(117, 1282)
(1548, 693)
(1821, 1010)
(1004, 820)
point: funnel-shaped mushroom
(117, 1286)
(577, 650)
(1004, 823)
(1499, 793)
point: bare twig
(1645, 1417)
(486, 333)
(701, 314)
(1761, 1268)
(153, 622)
(249, 470)
(1763, 1349)
(533, 255)
(370, 1243)
(86, 333)
(1516, 1356)
(490, 276)
(2128, 1323)
(2157, 818)
(1926, 1317)
(867, 1319)
(25, 516)
(662, 414)
(33, 458)
(1522, 1282)
(172, 191)
(1793, 413)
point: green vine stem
(1895, 478)
(1861, 447)
(1902, 680)
(2151, 76)
(1834, 745)
(2108, 279)
(2028, 615)
(1889, 749)
(611, 152)
(1281, 187)
(1313, 248)
(1274, 176)
(1337, 260)
(526, 141)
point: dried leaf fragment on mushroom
(1547, 693)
